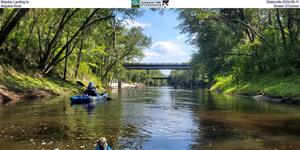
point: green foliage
(84, 44)
(222, 82)
(94, 54)
(287, 87)
(84, 68)
(246, 51)
(18, 81)
(180, 78)
(243, 42)
(243, 45)
(145, 77)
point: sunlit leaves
(242, 42)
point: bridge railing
(148, 66)
(157, 64)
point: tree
(242, 42)
(11, 22)
(83, 43)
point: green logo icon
(135, 3)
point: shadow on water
(226, 122)
(152, 118)
(56, 124)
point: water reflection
(152, 118)
(239, 123)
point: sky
(168, 44)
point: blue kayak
(107, 148)
(79, 99)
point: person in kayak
(91, 90)
(102, 144)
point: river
(151, 118)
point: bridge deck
(161, 78)
(161, 66)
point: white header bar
(147, 4)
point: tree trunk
(86, 23)
(270, 18)
(281, 29)
(109, 67)
(290, 25)
(66, 59)
(66, 62)
(49, 66)
(11, 22)
(78, 58)
(247, 30)
(29, 38)
(50, 45)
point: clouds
(161, 51)
(132, 23)
(149, 53)
(168, 48)
(168, 43)
(166, 51)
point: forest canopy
(243, 43)
(71, 42)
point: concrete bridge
(156, 66)
(161, 78)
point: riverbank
(126, 85)
(16, 86)
(269, 87)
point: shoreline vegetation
(16, 86)
(268, 87)
(126, 85)
(246, 51)
(43, 52)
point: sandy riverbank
(126, 85)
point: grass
(20, 81)
(272, 85)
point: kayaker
(91, 90)
(102, 144)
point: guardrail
(149, 66)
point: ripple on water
(152, 118)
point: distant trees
(180, 78)
(243, 42)
(146, 77)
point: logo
(166, 3)
(151, 3)
(135, 3)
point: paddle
(82, 84)
(108, 98)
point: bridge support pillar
(129, 74)
(119, 84)
(191, 78)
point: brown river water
(151, 118)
